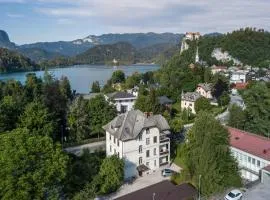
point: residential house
(140, 139)
(163, 190)
(252, 153)
(165, 101)
(205, 90)
(188, 101)
(219, 69)
(239, 76)
(123, 101)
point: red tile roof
(250, 143)
(240, 86)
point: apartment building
(140, 139)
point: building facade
(123, 101)
(141, 140)
(188, 101)
(205, 90)
(238, 77)
(252, 152)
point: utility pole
(154, 194)
(200, 186)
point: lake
(81, 77)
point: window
(110, 148)
(114, 140)
(190, 105)
(147, 131)
(110, 137)
(118, 154)
(258, 163)
(253, 161)
(140, 149)
(155, 139)
(147, 141)
(147, 164)
(155, 151)
(140, 160)
(117, 142)
(114, 151)
(140, 137)
(155, 163)
(147, 153)
(249, 159)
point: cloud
(12, 1)
(64, 21)
(160, 15)
(12, 15)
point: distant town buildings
(219, 69)
(123, 101)
(140, 139)
(252, 153)
(239, 76)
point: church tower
(197, 58)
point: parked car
(234, 195)
(166, 172)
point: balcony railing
(162, 164)
(163, 152)
(164, 139)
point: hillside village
(191, 130)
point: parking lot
(258, 192)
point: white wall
(250, 162)
(125, 102)
(188, 105)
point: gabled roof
(130, 124)
(206, 86)
(164, 100)
(250, 143)
(164, 190)
(191, 96)
(120, 95)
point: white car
(234, 195)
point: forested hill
(11, 61)
(100, 54)
(249, 45)
(123, 52)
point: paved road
(77, 150)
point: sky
(28, 21)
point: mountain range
(47, 50)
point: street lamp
(200, 186)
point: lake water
(81, 77)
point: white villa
(123, 101)
(252, 153)
(239, 76)
(140, 139)
(205, 89)
(188, 101)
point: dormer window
(147, 131)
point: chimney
(148, 114)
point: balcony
(163, 152)
(162, 164)
(164, 139)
